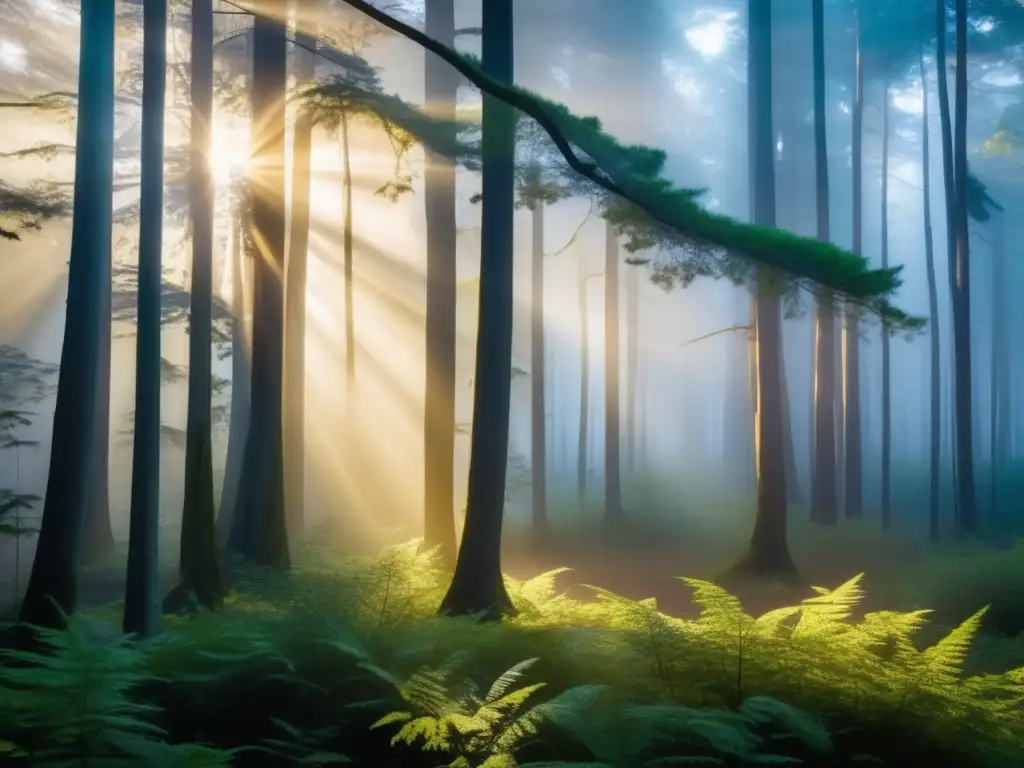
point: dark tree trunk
(538, 410)
(935, 371)
(52, 590)
(583, 443)
(259, 529)
(349, 256)
(824, 510)
(141, 604)
(478, 586)
(966, 501)
(769, 550)
(886, 361)
(613, 512)
(98, 538)
(949, 195)
(238, 426)
(198, 568)
(441, 88)
(853, 475)
(999, 384)
(295, 301)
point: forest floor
(344, 656)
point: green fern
(480, 732)
(72, 701)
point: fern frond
(945, 660)
(507, 679)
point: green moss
(627, 179)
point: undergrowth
(343, 661)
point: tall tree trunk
(198, 567)
(886, 361)
(769, 550)
(967, 503)
(295, 299)
(538, 409)
(853, 482)
(824, 509)
(441, 88)
(98, 538)
(632, 361)
(613, 512)
(241, 382)
(583, 444)
(52, 589)
(999, 415)
(478, 585)
(141, 604)
(949, 196)
(350, 310)
(259, 529)
(935, 371)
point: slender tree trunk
(613, 512)
(295, 300)
(998, 389)
(98, 540)
(241, 383)
(259, 530)
(967, 503)
(441, 83)
(632, 361)
(583, 444)
(477, 585)
(949, 196)
(824, 509)
(141, 604)
(198, 567)
(538, 410)
(853, 483)
(886, 361)
(52, 590)
(769, 550)
(350, 310)
(935, 372)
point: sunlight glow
(710, 39)
(908, 100)
(230, 153)
(13, 56)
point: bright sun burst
(230, 152)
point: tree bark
(769, 551)
(583, 443)
(259, 530)
(823, 468)
(198, 567)
(632, 362)
(349, 256)
(966, 500)
(241, 383)
(935, 367)
(141, 604)
(478, 586)
(441, 88)
(538, 410)
(613, 512)
(52, 591)
(853, 475)
(886, 361)
(295, 300)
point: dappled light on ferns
(610, 681)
